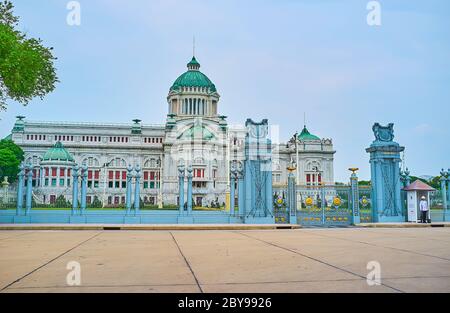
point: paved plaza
(305, 260)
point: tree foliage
(11, 155)
(26, 65)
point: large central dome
(193, 78)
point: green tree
(61, 202)
(10, 145)
(9, 165)
(96, 203)
(11, 155)
(26, 65)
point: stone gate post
(75, 176)
(129, 188)
(189, 190)
(137, 189)
(20, 190)
(444, 191)
(354, 192)
(84, 176)
(29, 193)
(241, 193)
(233, 190)
(181, 173)
(292, 195)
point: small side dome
(307, 136)
(58, 153)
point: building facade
(194, 133)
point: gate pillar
(29, 193)
(137, 189)
(84, 176)
(354, 191)
(181, 173)
(385, 172)
(233, 189)
(20, 190)
(258, 174)
(292, 196)
(241, 193)
(75, 176)
(129, 187)
(189, 190)
(444, 191)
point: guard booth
(414, 193)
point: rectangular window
(53, 182)
(110, 184)
(61, 182)
(62, 172)
(97, 175)
(52, 199)
(53, 172)
(111, 175)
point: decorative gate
(280, 209)
(365, 204)
(325, 206)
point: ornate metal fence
(328, 206)
(365, 204)
(324, 206)
(280, 209)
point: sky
(274, 59)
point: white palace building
(193, 134)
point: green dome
(193, 78)
(58, 153)
(307, 136)
(197, 131)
